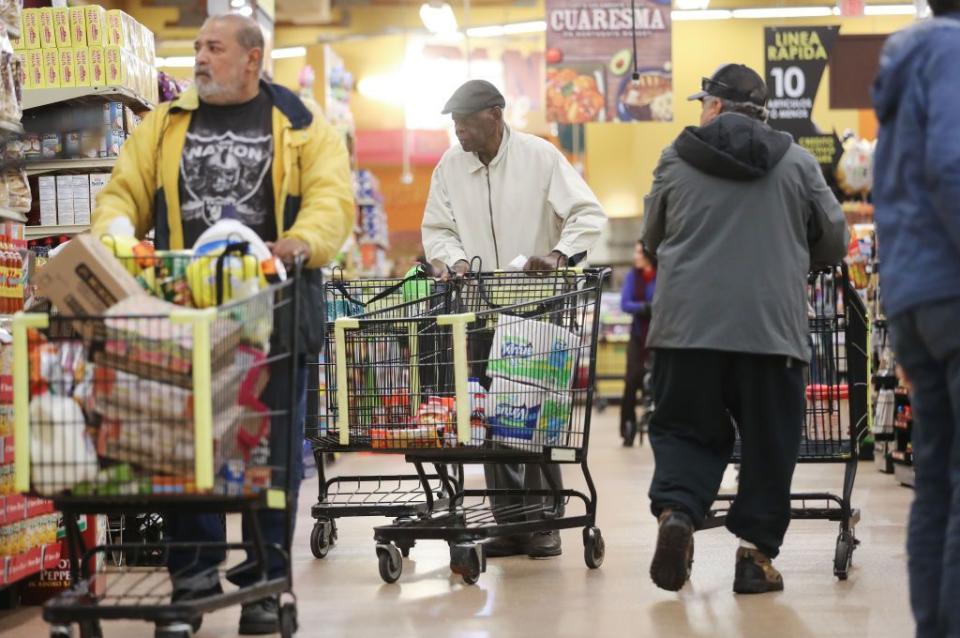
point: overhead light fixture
(245, 11)
(691, 5)
(288, 52)
(236, 4)
(890, 10)
(517, 28)
(176, 62)
(762, 13)
(493, 31)
(701, 14)
(438, 17)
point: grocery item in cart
(527, 417)
(533, 352)
(828, 413)
(61, 452)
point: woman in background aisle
(636, 299)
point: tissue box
(534, 352)
(527, 417)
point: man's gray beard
(215, 92)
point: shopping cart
(487, 369)
(151, 409)
(398, 496)
(836, 409)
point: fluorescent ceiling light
(438, 17)
(494, 31)
(784, 12)
(179, 62)
(706, 14)
(289, 52)
(537, 26)
(691, 5)
(245, 11)
(236, 4)
(890, 10)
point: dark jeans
(193, 570)
(927, 344)
(700, 397)
(636, 368)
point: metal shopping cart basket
(149, 408)
(836, 408)
(398, 496)
(488, 380)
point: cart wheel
(175, 630)
(405, 549)
(601, 405)
(323, 537)
(594, 547)
(61, 631)
(629, 433)
(391, 563)
(468, 561)
(90, 629)
(288, 620)
(843, 558)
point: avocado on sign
(795, 60)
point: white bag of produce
(61, 453)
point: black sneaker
(504, 546)
(260, 617)
(755, 574)
(185, 595)
(673, 559)
(544, 545)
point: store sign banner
(590, 61)
(826, 148)
(796, 58)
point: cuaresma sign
(590, 61)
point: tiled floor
(343, 594)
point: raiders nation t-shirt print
(225, 170)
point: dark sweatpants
(700, 397)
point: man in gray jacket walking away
(737, 216)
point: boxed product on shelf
(98, 181)
(51, 69)
(96, 18)
(30, 27)
(117, 25)
(68, 68)
(61, 27)
(81, 199)
(82, 57)
(98, 69)
(48, 39)
(34, 69)
(78, 27)
(51, 145)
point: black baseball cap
(734, 82)
(473, 96)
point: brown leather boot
(673, 559)
(755, 574)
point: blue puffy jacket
(917, 174)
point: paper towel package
(533, 352)
(527, 417)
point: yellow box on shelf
(48, 39)
(61, 27)
(30, 30)
(34, 68)
(78, 27)
(82, 56)
(51, 69)
(96, 25)
(98, 67)
(117, 28)
(68, 68)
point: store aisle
(343, 594)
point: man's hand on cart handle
(288, 249)
(554, 260)
(443, 272)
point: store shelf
(25, 564)
(12, 215)
(70, 165)
(39, 232)
(33, 98)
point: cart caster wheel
(629, 433)
(323, 537)
(61, 631)
(843, 558)
(468, 561)
(91, 629)
(288, 620)
(176, 630)
(601, 406)
(405, 550)
(594, 547)
(391, 563)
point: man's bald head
(229, 59)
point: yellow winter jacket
(312, 185)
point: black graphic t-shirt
(225, 171)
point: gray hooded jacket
(737, 217)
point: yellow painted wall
(621, 158)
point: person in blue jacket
(636, 299)
(917, 201)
